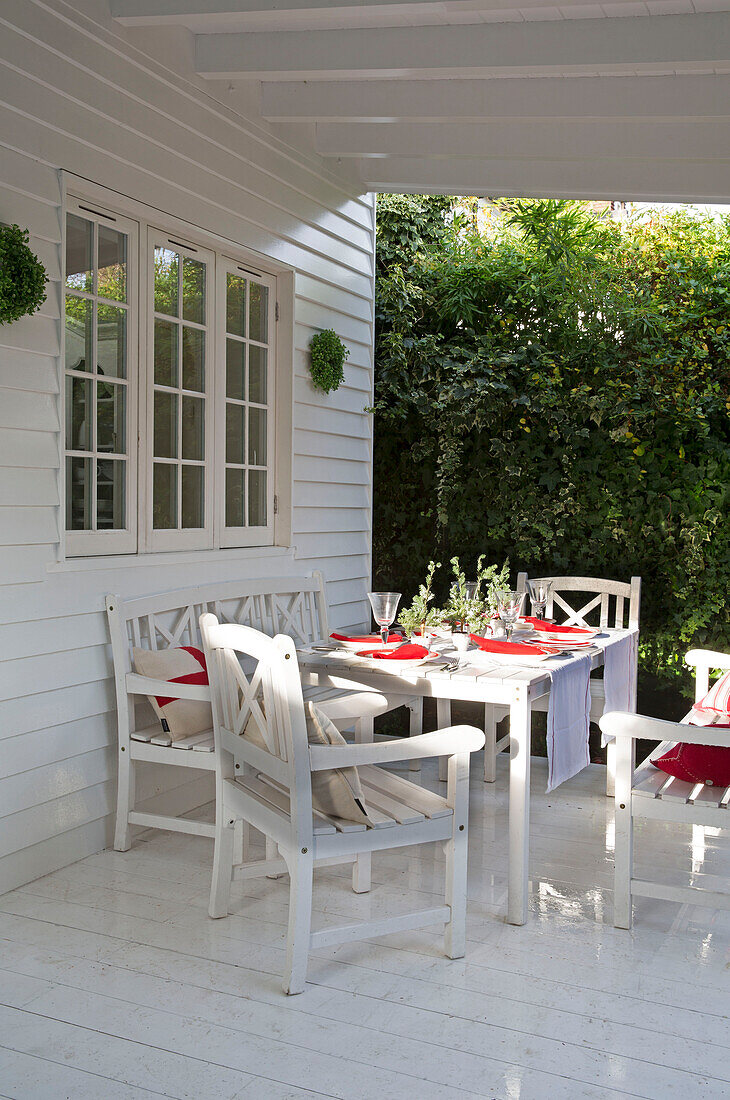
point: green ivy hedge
(560, 394)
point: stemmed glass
(385, 608)
(539, 595)
(510, 606)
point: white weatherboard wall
(77, 95)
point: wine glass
(385, 608)
(539, 595)
(510, 606)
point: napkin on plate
(552, 628)
(402, 653)
(496, 645)
(366, 639)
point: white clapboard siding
(79, 95)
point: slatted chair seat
(272, 789)
(647, 792)
(168, 620)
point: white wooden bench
(648, 793)
(295, 606)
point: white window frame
(141, 224)
(261, 535)
(191, 538)
(123, 540)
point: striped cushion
(708, 764)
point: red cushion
(698, 763)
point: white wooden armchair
(647, 792)
(250, 672)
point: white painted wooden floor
(115, 984)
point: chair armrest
(446, 742)
(710, 658)
(145, 685)
(621, 724)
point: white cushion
(336, 793)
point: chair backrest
(596, 611)
(295, 606)
(252, 674)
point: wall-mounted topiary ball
(22, 276)
(328, 360)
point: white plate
(567, 638)
(394, 664)
(376, 644)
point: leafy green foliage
(328, 360)
(559, 394)
(22, 276)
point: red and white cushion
(708, 764)
(179, 717)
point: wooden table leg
(443, 720)
(519, 806)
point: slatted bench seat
(295, 606)
(647, 792)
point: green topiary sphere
(328, 360)
(22, 276)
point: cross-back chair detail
(272, 790)
(612, 599)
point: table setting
(481, 646)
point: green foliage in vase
(328, 355)
(464, 611)
(558, 392)
(22, 276)
(419, 617)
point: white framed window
(166, 331)
(180, 401)
(100, 343)
(247, 303)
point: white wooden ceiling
(622, 100)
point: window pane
(257, 374)
(78, 414)
(78, 253)
(235, 369)
(193, 279)
(235, 480)
(164, 496)
(112, 274)
(193, 354)
(166, 353)
(110, 477)
(110, 411)
(192, 496)
(165, 425)
(257, 498)
(257, 437)
(79, 314)
(111, 341)
(236, 305)
(78, 494)
(235, 433)
(193, 413)
(258, 314)
(166, 273)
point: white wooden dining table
(476, 680)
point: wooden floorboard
(114, 982)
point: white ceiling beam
(610, 178)
(685, 140)
(141, 12)
(533, 48)
(542, 97)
